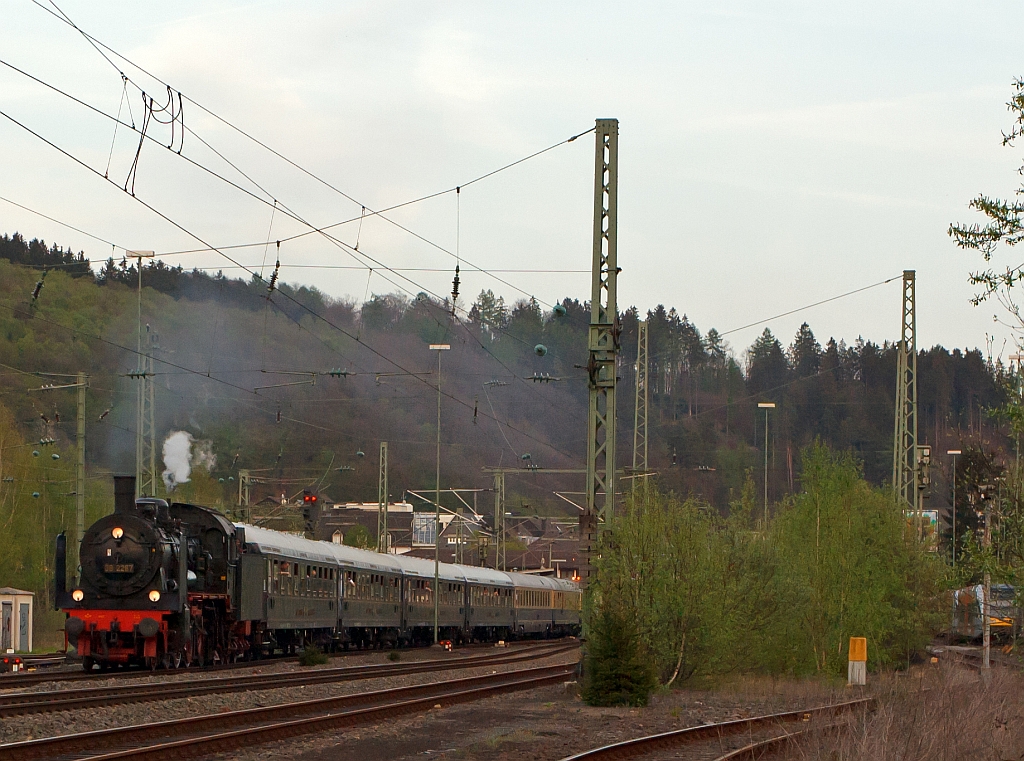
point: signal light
(78, 595)
(117, 533)
(154, 595)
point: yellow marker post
(857, 671)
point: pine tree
(617, 671)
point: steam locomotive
(172, 584)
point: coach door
(5, 626)
(23, 627)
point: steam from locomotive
(180, 452)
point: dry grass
(762, 688)
(950, 714)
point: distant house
(331, 522)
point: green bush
(682, 591)
(617, 670)
(312, 656)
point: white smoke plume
(179, 457)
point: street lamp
(437, 489)
(954, 452)
(766, 406)
(924, 459)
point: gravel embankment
(71, 722)
(539, 725)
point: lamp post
(437, 489)
(924, 459)
(954, 452)
(766, 406)
(986, 607)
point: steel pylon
(603, 343)
(904, 457)
(382, 500)
(640, 407)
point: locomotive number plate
(119, 568)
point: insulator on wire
(277, 269)
(455, 289)
(39, 287)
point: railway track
(202, 735)
(715, 733)
(973, 656)
(28, 679)
(21, 703)
(763, 748)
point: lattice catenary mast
(382, 500)
(904, 457)
(603, 343)
(640, 407)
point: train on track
(1003, 613)
(172, 584)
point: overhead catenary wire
(380, 213)
(363, 209)
(163, 216)
(809, 306)
(170, 104)
(335, 241)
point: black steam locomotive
(170, 584)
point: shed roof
(13, 591)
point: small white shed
(15, 620)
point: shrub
(312, 656)
(394, 655)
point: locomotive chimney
(124, 494)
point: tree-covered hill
(216, 339)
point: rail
(641, 746)
(21, 703)
(200, 735)
(28, 679)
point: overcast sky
(771, 154)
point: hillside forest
(250, 374)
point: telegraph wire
(248, 267)
(189, 233)
(95, 42)
(663, 354)
(354, 253)
(62, 224)
(337, 242)
(815, 304)
(114, 344)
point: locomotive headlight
(117, 533)
(154, 595)
(78, 595)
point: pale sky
(771, 154)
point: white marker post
(857, 671)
